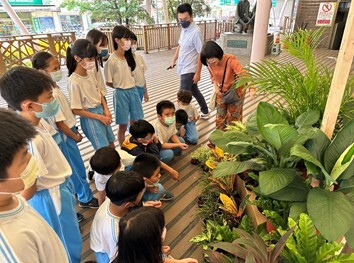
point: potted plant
(200, 155)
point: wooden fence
(18, 50)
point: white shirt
(84, 91)
(117, 71)
(164, 133)
(190, 109)
(53, 167)
(26, 237)
(190, 45)
(139, 72)
(65, 114)
(100, 80)
(105, 231)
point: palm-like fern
(301, 91)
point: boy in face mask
(31, 93)
(165, 128)
(18, 171)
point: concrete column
(14, 17)
(259, 43)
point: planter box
(251, 210)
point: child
(24, 235)
(142, 139)
(85, 96)
(65, 124)
(139, 72)
(118, 73)
(100, 41)
(181, 121)
(140, 231)
(165, 128)
(124, 191)
(148, 166)
(184, 98)
(31, 93)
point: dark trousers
(187, 84)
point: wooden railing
(18, 50)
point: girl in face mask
(85, 96)
(100, 41)
(64, 123)
(118, 72)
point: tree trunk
(165, 11)
(148, 6)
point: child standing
(85, 96)
(100, 41)
(24, 235)
(118, 73)
(139, 72)
(165, 128)
(65, 124)
(124, 191)
(148, 166)
(184, 98)
(31, 92)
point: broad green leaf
(346, 258)
(238, 136)
(349, 237)
(343, 162)
(217, 137)
(296, 191)
(301, 139)
(343, 139)
(300, 151)
(280, 134)
(326, 250)
(318, 144)
(308, 242)
(331, 212)
(296, 209)
(227, 168)
(347, 186)
(251, 125)
(307, 119)
(275, 179)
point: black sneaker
(80, 217)
(90, 175)
(167, 196)
(92, 204)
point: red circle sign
(327, 7)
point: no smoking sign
(325, 14)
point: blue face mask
(104, 52)
(49, 109)
(185, 24)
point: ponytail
(70, 61)
(130, 59)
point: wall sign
(326, 13)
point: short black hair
(41, 59)
(105, 161)
(185, 7)
(81, 48)
(15, 133)
(124, 186)
(22, 83)
(95, 36)
(210, 49)
(146, 164)
(165, 104)
(181, 117)
(134, 37)
(141, 128)
(184, 96)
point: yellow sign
(326, 13)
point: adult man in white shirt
(187, 56)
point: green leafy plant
(247, 248)
(201, 154)
(307, 245)
(301, 90)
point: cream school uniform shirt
(53, 167)
(105, 231)
(100, 80)
(117, 71)
(84, 91)
(190, 109)
(139, 71)
(65, 114)
(164, 133)
(26, 237)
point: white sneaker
(205, 116)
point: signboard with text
(229, 2)
(325, 14)
(25, 2)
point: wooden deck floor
(181, 213)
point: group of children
(39, 156)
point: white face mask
(89, 65)
(134, 48)
(57, 75)
(127, 45)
